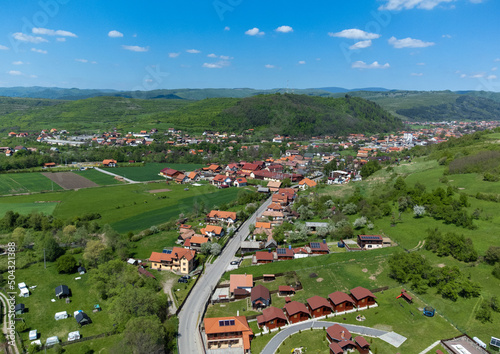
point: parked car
(234, 262)
(182, 280)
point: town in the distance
(239, 243)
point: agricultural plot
(150, 171)
(100, 178)
(70, 180)
(27, 208)
(16, 183)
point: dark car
(234, 262)
(182, 280)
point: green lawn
(100, 178)
(27, 208)
(244, 307)
(99, 345)
(41, 310)
(142, 249)
(150, 171)
(14, 183)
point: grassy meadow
(17, 183)
(100, 178)
(150, 171)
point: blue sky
(125, 45)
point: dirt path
(5, 303)
(167, 289)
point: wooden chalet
(319, 306)
(296, 312)
(362, 297)
(272, 317)
(341, 302)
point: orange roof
(265, 225)
(212, 228)
(106, 162)
(309, 182)
(177, 253)
(213, 167)
(192, 175)
(199, 239)
(212, 326)
(222, 214)
(240, 281)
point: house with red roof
(109, 163)
(260, 296)
(263, 257)
(224, 332)
(286, 290)
(339, 335)
(319, 306)
(240, 281)
(296, 312)
(272, 317)
(307, 183)
(363, 297)
(221, 216)
(195, 242)
(212, 231)
(341, 302)
(240, 182)
(169, 173)
(319, 247)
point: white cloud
(17, 62)
(27, 38)
(361, 45)
(410, 4)
(497, 59)
(135, 48)
(420, 64)
(354, 33)
(374, 65)
(269, 66)
(409, 43)
(193, 51)
(41, 51)
(446, 36)
(226, 57)
(212, 55)
(254, 32)
(463, 76)
(477, 76)
(49, 32)
(82, 60)
(492, 77)
(218, 65)
(115, 34)
(93, 62)
(494, 69)
(302, 62)
(227, 28)
(15, 73)
(417, 74)
(61, 39)
(2, 47)
(173, 55)
(284, 29)
(33, 76)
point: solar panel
(495, 342)
(167, 251)
(370, 237)
(281, 250)
(315, 245)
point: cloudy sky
(395, 44)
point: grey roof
(316, 224)
(62, 290)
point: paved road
(115, 175)
(189, 340)
(276, 341)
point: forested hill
(301, 115)
(286, 114)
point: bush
(418, 211)
(350, 209)
(66, 264)
(496, 271)
(492, 255)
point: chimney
(324, 241)
(342, 334)
(238, 313)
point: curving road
(189, 340)
(276, 341)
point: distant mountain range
(407, 105)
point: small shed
(19, 309)
(33, 335)
(82, 270)
(61, 315)
(82, 319)
(62, 291)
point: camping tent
(62, 291)
(82, 319)
(61, 315)
(19, 309)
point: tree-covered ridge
(465, 107)
(301, 115)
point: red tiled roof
(240, 281)
(177, 253)
(338, 333)
(260, 291)
(264, 256)
(212, 326)
(360, 293)
(339, 297)
(285, 288)
(269, 314)
(336, 349)
(316, 302)
(362, 342)
(295, 307)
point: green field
(27, 208)
(150, 171)
(100, 178)
(16, 183)
(126, 207)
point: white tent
(52, 340)
(61, 315)
(33, 334)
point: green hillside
(287, 114)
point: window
(294, 316)
(271, 322)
